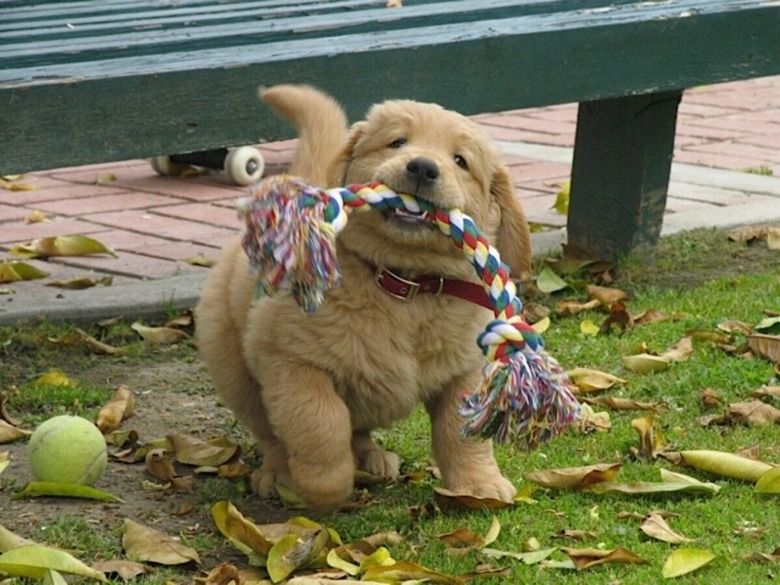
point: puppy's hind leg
(467, 465)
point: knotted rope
(290, 240)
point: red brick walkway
(155, 223)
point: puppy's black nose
(423, 170)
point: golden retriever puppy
(312, 387)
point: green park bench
(87, 81)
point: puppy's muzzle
(422, 171)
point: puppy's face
(433, 154)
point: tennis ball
(67, 449)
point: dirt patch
(172, 397)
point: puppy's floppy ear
(339, 165)
(514, 237)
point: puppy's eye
(397, 143)
(461, 162)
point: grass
(699, 275)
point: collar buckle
(396, 286)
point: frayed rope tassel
(290, 240)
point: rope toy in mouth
(290, 240)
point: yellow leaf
(210, 453)
(450, 501)
(541, 325)
(644, 363)
(36, 216)
(77, 245)
(656, 527)
(55, 378)
(33, 560)
(684, 561)
(243, 534)
(584, 558)
(161, 335)
(588, 327)
(120, 407)
(769, 483)
(680, 351)
(561, 204)
(726, 464)
(10, 540)
(293, 552)
(588, 380)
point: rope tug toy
(290, 240)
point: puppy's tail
(321, 124)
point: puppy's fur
(312, 387)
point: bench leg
(620, 175)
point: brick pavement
(154, 224)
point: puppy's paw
(323, 487)
(379, 462)
(267, 476)
(489, 485)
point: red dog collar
(408, 288)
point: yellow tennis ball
(67, 449)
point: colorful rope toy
(290, 238)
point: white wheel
(244, 165)
(164, 166)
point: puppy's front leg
(313, 424)
(467, 464)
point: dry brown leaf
(710, 399)
(589, 380)
(160, 465)
(584, 558)
(757, 557)
(574, 477)
(590, 420)
(656, 527)
(651, 316)
(450, 501)
(773, 238)
(651, 440)
(605, 295)
(746, 235)
(753, 412)
(98, 345)
(10, 433)
(644, 363)
(210, 453)
(127, 570)
(709, 336)
(618, 316)
(617, 403)
(569, 308)
(771, 391)
(680, 351)
(395, 3)
(733, 326)
(119, 408)
(767, 346)
(161, 335)
(578, 535)
(201, 260)
(534, 312)
(4, 396)
(145, 544)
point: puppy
(312, 387)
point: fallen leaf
(680, 351)
(767, 346)
(769, 483)
(773, 238)
(753, 412)
(575, 534)
(733, 326)
(146, 544)
(127, 570)
(119, 408)
(656, 527)
(651, 316)
(549, 282)
(617, 403)
(10, 540)
(201, 260)
(569, 308)
(34, 560)
(684, 561)
(529, 557)
(588, 380)
(17, 271)
(709, 336)
(159, 335)
(9, 433)
(55, 378)
(644, 363)
(589, 328)
(651, 440)
(211, 453)
(402, 572)
(574, 477)
(744, 235)
(450, 501)
(710, 399)
(81, 283)
(771, 391)
(757, 557)
(293, 552)
(96, 344)
(561, 205)
(584, 558)
(242, 533)
(605, 295)
(726, 464)
(160, 465)
(618, 316)
(37, 489)
(590, 421)
(61, 246)
(36, 216)
(670, 482)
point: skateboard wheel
(244, 165)
(163, 166)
